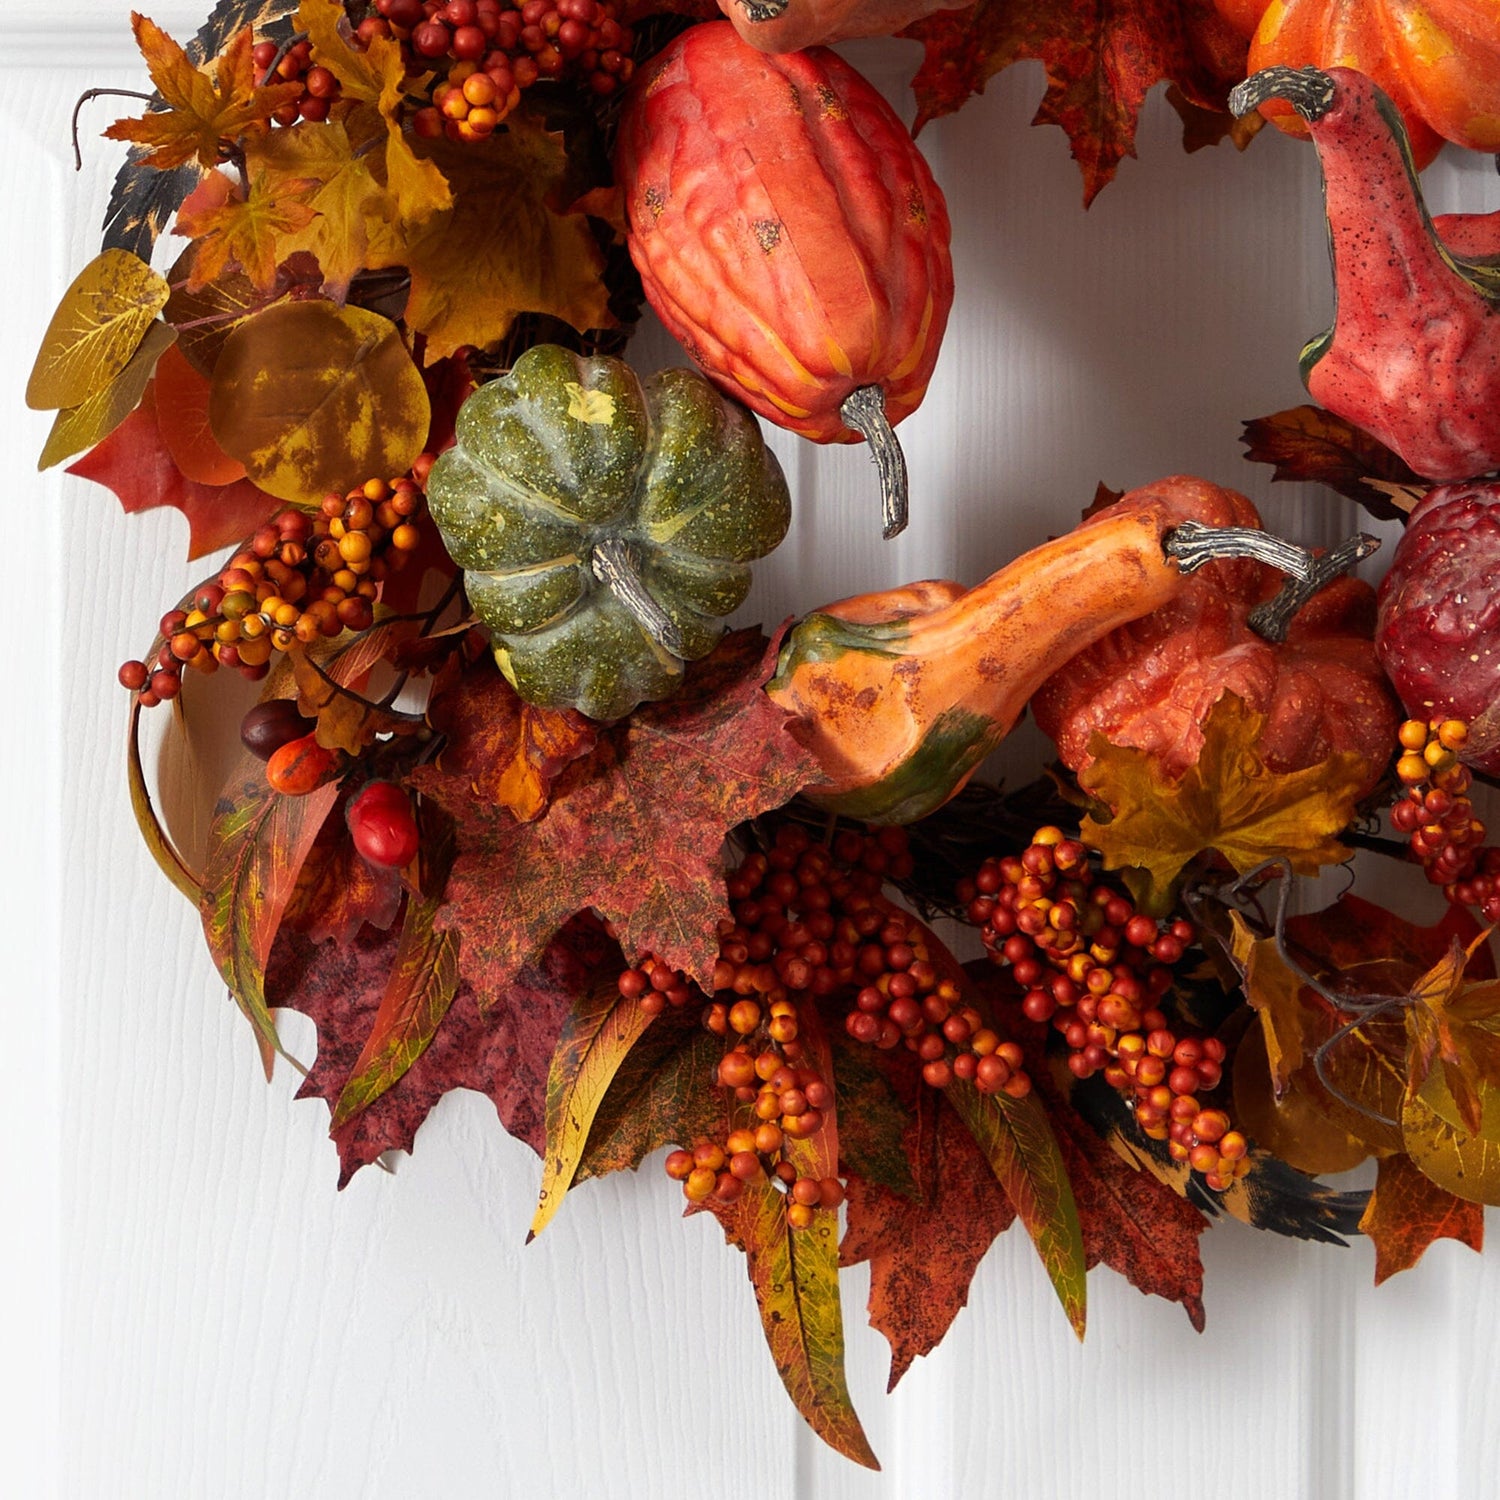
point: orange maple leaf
(201, 111)
(245, 228)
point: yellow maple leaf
(377, 77)
(353, 213)
(503, 249)
(1228, 801)
(201, 111)
(247, 230)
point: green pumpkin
(604, 524)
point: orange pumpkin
(1439, 60)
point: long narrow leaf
(158, 841)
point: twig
(84, 98)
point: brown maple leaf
(1102, 58)
(1408, 1212)
(243, 228)
(201, 111)
(512, 751)
(635, 829)
(1308, 443)
(1228, 802)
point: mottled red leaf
(635, 829)
(135, 463)
(1408, 1211)
(338, 892)
(504, 1053)
(1102, 58)
(511, 751)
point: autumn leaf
(1276, 994)
(635, 828)
(314, 399)
(1408, 1211)
(418, 992)
(1228, 802)
(327, 693)
(875, 1115)
(795, 1272)
(512, 751)
(504, 1053)
(180, 395)
(96, 330)
(374, 75)
(201, 112)
(596, 1039)
(256, 845)
(1102, 58)
(243, 229)
(664, 1093)
(134, 462)
(1308, 443)
(78, 427)
(924, 1249)
(338, 891)
(502, 249)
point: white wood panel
(224, 1324)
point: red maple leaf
(503, 1053)
(635, 829)
(136, 464)
(1102, 58)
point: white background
(191, 1310)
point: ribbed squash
(1439, 60)
(604, 524)
(789, 235)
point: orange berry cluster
(1437, 816)
(300, 577)
(320, 89)
(1098, 969)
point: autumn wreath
(514, 812)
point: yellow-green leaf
(1228, 802)
(168, 860)
(78, 427)
(1468, 1165)
(421, 986)
(314, 399)
(97, 328)
(596, 1038)
(1019, 1145)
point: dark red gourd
(790, 236)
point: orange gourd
(1439, 60)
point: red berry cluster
(302, 576)
(495, 49)
(1437, 816)
(1097, 969)
(320, 89)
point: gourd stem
(613, 565)
(1309, 91)
(1192, 544)
(763, 10)
(1271, 619)
(864, 411)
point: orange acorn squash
(790, 236)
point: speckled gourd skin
(1413, 355)
(564, 452)
(787, 230)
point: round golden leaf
(314, 399)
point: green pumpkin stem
(864, 411)
(615, 568)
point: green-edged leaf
(423, 979)
(159, 845)
(98, 326)
(795, 1273)
(1019, 1144)
(596, 1038)
(80, 427)
(256, 845)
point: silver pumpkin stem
(1309, 91)
(1271, 619)
(864, 411)
(763, 10)
(1193, 544)
(613, 565)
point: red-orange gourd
(1439, 60)
(790, 236)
